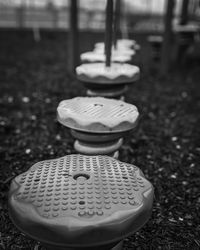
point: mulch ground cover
(165, 144)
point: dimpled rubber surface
(115, 74)
(97, 114)
(80, 200)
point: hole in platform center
(82, 202)
(98, 104)
(81, 177)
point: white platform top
(95, 56)
(97, 114)
(122, 44)
(116, 51)
(115, 74)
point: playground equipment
(98, 124)
(88, 201)
(108, 75)
(126, 44)
(80, 202)
(105, 81)
(96, 56)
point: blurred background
(40, 45)
(54, 14)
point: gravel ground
(165, 145)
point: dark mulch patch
(165, 145)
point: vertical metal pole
(54, 12)
(184, 12)
(124, 22)
(165, 57)
(20, 14)
(73, 45)
(116, 23)
(109, 31)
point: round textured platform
(121, 43)
(93, 57)
(155, 39)
(80, 201)
(97, 115)
(116, 51)
(104, 148)
(115, 74)
(126, 42)
(187, 28)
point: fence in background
(139, 14)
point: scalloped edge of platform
(100, 74)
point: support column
(184, 12)
(21, 14)
(116, 24)
(73, 38)
(167, 37)
(109, 32)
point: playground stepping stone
(98, 124)
(185, 36)
(80, 202)
(107, 81)
(95, 56)
(156, 42)
(121, 44)
(120, 51)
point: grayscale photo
(100, 124)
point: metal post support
(116, 24)
(184, 12)
(165, 56)
(20, 16)
(73, 39)
(109, 31)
